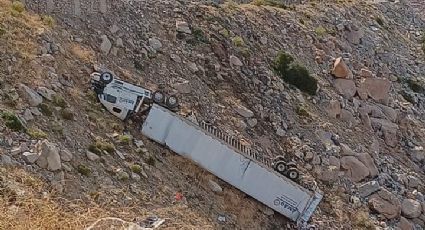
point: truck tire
(172, 102)
(280, 167)
(106, 77)
(293, 174)
(158, 97)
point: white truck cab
(122, 98)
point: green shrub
(136, 168)
(379, 20)
(238, 41)
(18, 6)
(67, 114)
(48, 20)
(12, 121)
(125, 139)
(45, 109)
(416, 86)
(301, 111)
(59, 101)
(294, 74)
(83, 170)
(99, 146)
(320, 31)
(36, 133)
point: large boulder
(369, 188)
(378, 89)
(405, 224)
(356, 170)
(49, 157)
(388, 129)
(345, 87)
(411, 208)
(340, 69)
(385, 203)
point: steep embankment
(360, 138)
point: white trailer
(231, 163)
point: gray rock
(183, 88)
(183, 27)
(66, 155)
(215, 187)
(33, 98)
(49, 157)
(175, 58)
(92, 156)
(155, 44)
(356, 170)
(193, 67)
(244, 112)
(280, 132)
(252, 122)
(235, 61)
(114, 28)
(135, 176)
(139, 143)
(411, 208)
(334, 108)
(6, 160)
(119, 42)
(414, 182)
(27, 116)
(106, 44)
(369, 188)
(30, 158)
(46, 93)
(345, 87)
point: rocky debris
(411, 208)
(385, 203)
(388, 130)
(340, 69)
(66, 155)
(27, 116)
(378, 89)
(348, 117)
(356, 170)
(106, 44)
(155, 44)
(92, 156)
(183, 88)
(252, 122)
(183, 27)
(345, 87)
(244, 112)
(367, 160)
(369, 188)
(49, 157)
(5, 160)
(46, 93)
(235, 61)
(405, 224)
(30, 158)
(33, 98)
(365, 73)
(215, 187)
(334, 108)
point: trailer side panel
(264, 185)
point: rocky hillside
(359, 135)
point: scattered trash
(221, 218)
(179, 196)
(152, 222)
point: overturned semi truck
(269, 182)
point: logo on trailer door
(287, 203)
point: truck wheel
(106, 77)
(158, 97)
(280, 167)
(293, 174)
(172, 102)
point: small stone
(30, 158)
(92, 156)
(369, 188)
(193, 67)
(411, 208)
(28, 115)
(114, 28)
(334, 108)
(5, 160)
(405, 224)
(119, 42)
(215, 187)
(175, 58)
(49, 157)
(155, 44)
(183, 88)
(183, 27)
(66, 155)
(135, 176)
(366, 73)
(280, 132)
(139, 143)
(244, 112)
(235, 61)
(252, 122)
(309, 156)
